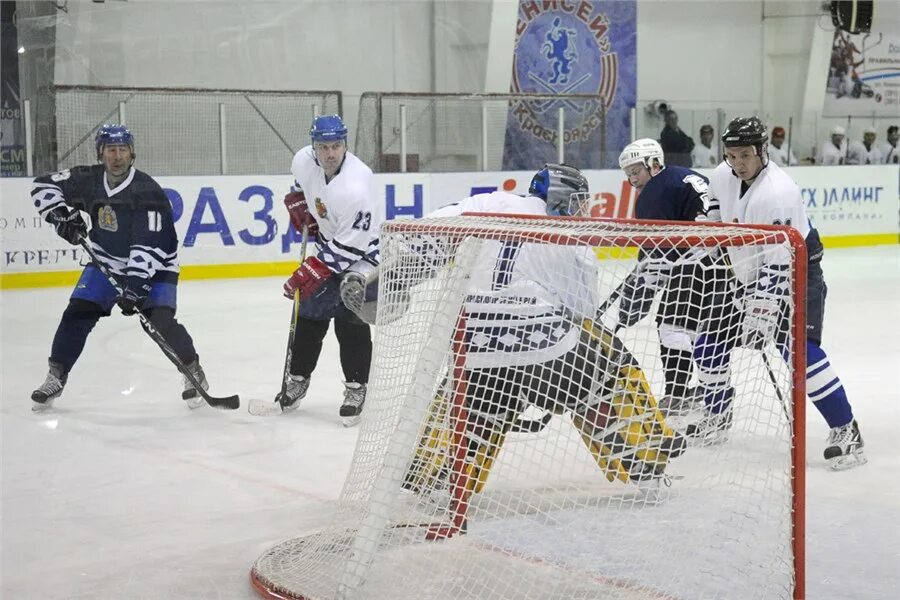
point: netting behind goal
(192, 131)
(513, 446)
(466, 132)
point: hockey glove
(307, 278)
(134, 295)
(69, 224)
(760, 322)
(295, 203)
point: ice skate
(673, 406)
(190, 394)
(712, 428)
(297, 385)
(845, 447)
(43, 397)
(354, 399)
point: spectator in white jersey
(889, 151)
(780, 154)
(834, 151)
(334, 199)
(704, 155)
(865, 152)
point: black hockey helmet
(745, 131)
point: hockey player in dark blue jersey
(133, 235)
(670, 194)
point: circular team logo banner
(571, 47)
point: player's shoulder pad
(302, 159)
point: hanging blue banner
(572, 47)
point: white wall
(739, 55)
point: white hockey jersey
(781, 157)
(704, 158)
(772, 199)
(346, 209)
(890, 154)
(860, 155)
(524, 300)
(829, 154)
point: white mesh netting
(516, 444)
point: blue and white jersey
(525, 300)
(132, 230)
(674, 194)
(346, 210)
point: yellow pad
(632, 402)
(434, 453)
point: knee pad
(676, 338)
(161, 317)
(84, 310)
(628, 435)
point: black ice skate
(43, 397)
(190, 394)
(354, 399)
(845, 447)
(294, 392)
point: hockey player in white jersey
(748, 188)
(865, 152)
(834, 151)
(334, 199)
(531, 340)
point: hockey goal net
(513, 445)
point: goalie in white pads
(530, 339)
(748, 188)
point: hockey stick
(775, 385)
(227, 402)
(264, 408)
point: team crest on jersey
(321, 209)
(563, 48)
(106, 219)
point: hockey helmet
(113, 134)
(563, 187)
(327, 128)
(642, 151)
(745, 131)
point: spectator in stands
(889, 151)
(780, 154)
(676, 144)
(865, 152)
(703, 155)
(834, 151)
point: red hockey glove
(295, 203)
(307, 279)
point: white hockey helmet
(642, 151)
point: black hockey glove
(69, 224)
(134, 295)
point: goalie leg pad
(481, 435)
(625, 430)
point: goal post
(513, 444)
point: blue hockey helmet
(327, 128)
(563, 187)
(113, 134)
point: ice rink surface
(121, 492)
